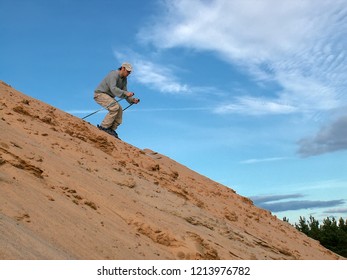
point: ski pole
(129, 106)
(112, 103)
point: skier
(114, 85)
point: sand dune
(71, 191)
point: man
(112, 86)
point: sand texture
(71, 191)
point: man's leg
(119, 118)
(113, 111)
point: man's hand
(130, 94)
(136, 100)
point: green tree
(331, 234)
(314, 230)
(302, 226)
(343, 225)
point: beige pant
(115, 112)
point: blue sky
(249, 93)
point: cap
(127, 66)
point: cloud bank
(273, 203)
(300, 204)
(336, 210)
(300, 45)
(330, 138)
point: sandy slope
(70, 191)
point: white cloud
(166, 109)
(158, 77)
(154, 75)
(235, 28)
(261, 160)
(300, 45)
(256, 106)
